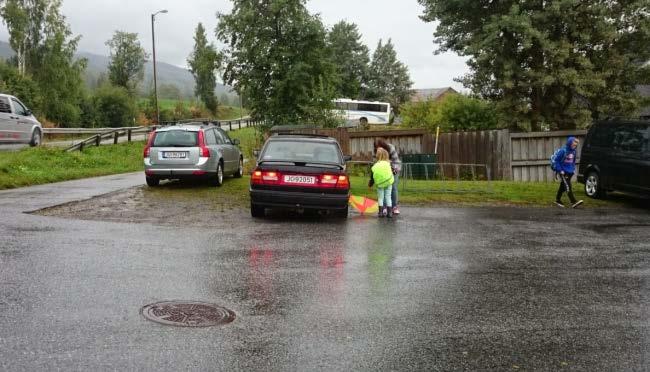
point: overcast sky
(377, 19)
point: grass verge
(34, 166)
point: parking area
(439, 288)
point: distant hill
(166, 73)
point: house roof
(432, 94)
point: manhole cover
(187, 314)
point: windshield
(308, 152)
(176, 138)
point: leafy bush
(453, 113)
(113, 107)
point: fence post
(230, 124)
(128, 133)
(116, 135)
(98, 139)
(81, 146)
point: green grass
(250, 139)
(33, 166)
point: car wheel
(217, 180)
(152, 181)
(257, 211)
(240, 170)
(593, 186)
(36, 138)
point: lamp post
(155, 82)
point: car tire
(217, 179)
(342, 213)
(36, 138)
(593, 186)
(240, 171)
(257, 211)
(152, 181)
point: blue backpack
(558, 153)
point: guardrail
(101, 134)
(115, 134)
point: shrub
(114, 107)
(453, 113)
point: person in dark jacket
(565, 162)
(396, 165)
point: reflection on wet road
(435, 289)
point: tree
(169, 91)
(277, 59)
(23, 87)
(126, 67)
(554, 63)
(454, 112)
(45, 51)
(389, 78)
(204, 62)
(350, 56)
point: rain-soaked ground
(435, 289)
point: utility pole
(155, 78)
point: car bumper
(177, 173)
(284, 199)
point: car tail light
(204, 152)
(260, 177)
(343, 182)
(147, 148)
(335, 180)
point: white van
(17, 124)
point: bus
(352, 110)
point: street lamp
(155, 82)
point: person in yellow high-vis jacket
(382, 178)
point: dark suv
(616, 157)
(300, 172)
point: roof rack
(314, 135)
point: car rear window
(176, 138)
(307, 151)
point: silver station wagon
(17, 123)
(191, 150)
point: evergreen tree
(350, 57)
(558, 63)
(204, 62)
(389, 78)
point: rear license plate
(174, 154)
(307, 180)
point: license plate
(174, 154)
(300, 179)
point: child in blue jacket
(565, 162)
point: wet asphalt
(435, 289)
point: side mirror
(236, 142)
(256, 153)
(28, 113)
(347, 158)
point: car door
(230, 156)
(8, 122)
(211, 142)
(645, 161)
(628, 145)
(25, 123)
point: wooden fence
(531, 152)
(508, 156)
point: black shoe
(559, 204)
(380, 214)
(576, 204)
(390, 213)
